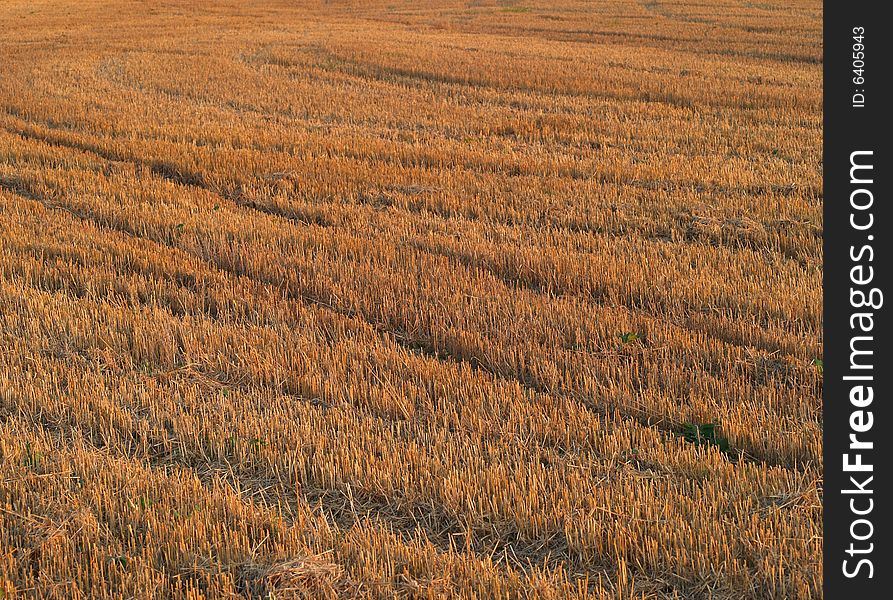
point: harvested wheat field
(410, 299)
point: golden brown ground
(328, 299)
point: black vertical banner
(858, 433)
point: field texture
(410, 299)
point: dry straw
(400, 299)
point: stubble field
(410, 299)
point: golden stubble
(306, 300)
